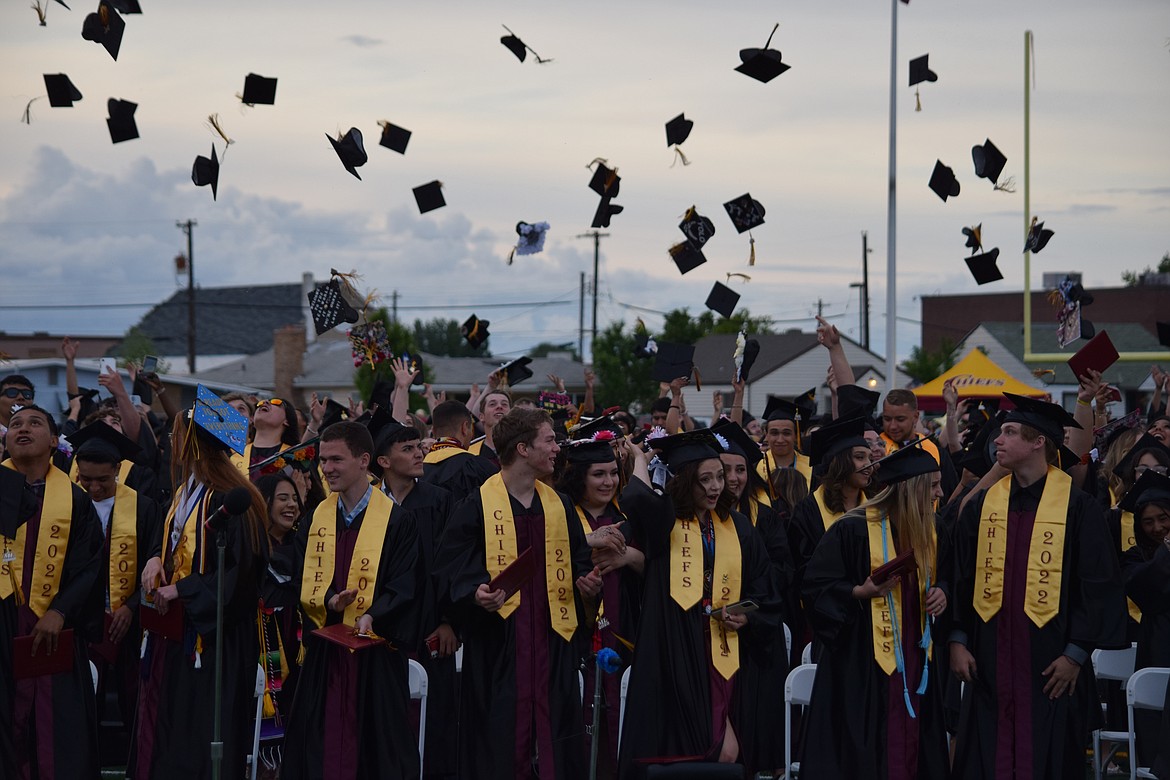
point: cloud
(363, 41)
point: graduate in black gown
(280, 592)
(49, 582)
(1037, 589)
(176, 696)
(449, 465)
(877, 701)
(520, 694)
(701, 557)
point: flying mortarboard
(518, 47)
(920, 70)
(125, 6)
(531, 238)
(943, 181)
(218, 418)
(258, 90)
(1150, 486)
(697, 228)
(688, 447)
(644, 344)
(121, 122)
(1145, 442)
(1038, 237)
(475, 331)
(394, 137)
(672, 361)
(989, 161)
(429, 196)
(835, 437)
(738, 442)
(99, 437)
(764, 64)
(983, 267)
(1048, 418)
(745, 212)
(974, 237)
(751, 350)
(678, 129)
(516, 371)
(329, 307)
(104, 26)
(722, 299)
(62, 93)
(350, 150)
(605, 181)
(206, 171)
(686, 256)
(605, 211)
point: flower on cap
(722, 442)
(657, 432)
(603, 436)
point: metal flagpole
(891, 221)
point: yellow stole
(123, 471)
(476, 446)
(123, 545)
(1128, 540)
(189, 545)
(686, 581)
(879, 611)
(800, 463)
(499, 532)
(440, 455)
(320, 558)
(754, 506)
(52, 539)
(927, 444)
(828, 517)
(243, 462)
(1045, 551)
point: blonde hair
(1118, 450)
(910, 507)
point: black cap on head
(678, 129)
(738, 442)
(258, 90)
(98, 437)
(989, 161)
(600, 425)
(920, 70)
(1038, 238)
(854, 400)
(382, 428)
(394, 137)
(226, 428)
(686, 256)
(351, 150)
(516, 371)
(605, 181)
(62, 93)
(121, 122)
(983, 267)
(974, 238)
(835, 437)
(1150, 486)
(688, 447)
(605, 211)
(943, 181)
(903, 464)
(475, 331)
(764, 64)
(722, 299)
(334, 413)
(104, 26)
(806, 402)
(1048, 418)
(697, 228)
(429, 196)
(586, 451)
(979, 456)
(673, 361)
(745, 212)
(206, 171)
(1146, 442)
(329, 307)
(778, 408)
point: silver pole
(891, 221)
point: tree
(624, 377)
(680, 327)
(924, 365)
(443, 337)
(1131, 278)
(402, 342)
(137, 345)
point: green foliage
(137, 345)
(442, 337)
(1131, 278)
(924, 365)
(681, 328)
(401, 340)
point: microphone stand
(216, 737)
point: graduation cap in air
(518, 47)
(475, 331)
(216, 416)
(738, 442)
(125, 6)
(644, 344)
(205, 171)
(101, 438)
(920, 70)
(516, 371)
(904, 463)
(678, 129)
(258, 90)
(531, 238)
(605, 181)
(943, 181)
(414, 362)
(329, 307)
(974, 237)
(382, 394)
(350, 150)
(1038, 237)
(1144, 443)
(11, 501)
(121, 122)
(429, 196)
(764, 64)
(840, 435)
(394, 137)
(606, 209)
(751, 350)
(855, 400)
(1163, 333)
(672, 361)
(989, 161)
(62, 93)
(722, 299)
(1048, 418)
(984, 268)
(89, 398)
(686, 256)
(104, 26)
(697, 228)
(1150, 486)
(688, 447)
(745, 212)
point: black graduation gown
(1092, 614)
(58, 740)
(520, 687)
(857, 725)
(668, 703)
(353, 707)
(805, 529)
(1147, 581)
(280, 591)
(460, 475)
(176, 700)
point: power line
(225, 305)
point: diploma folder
(105, 649)
(341, 634)
(902, 563)
(1099, 354)
(26, 665)
(518, 572)
(168, 626)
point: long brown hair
(910, 507)
(681, 491)
(837, 474)
(789, 486)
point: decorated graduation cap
(227, 427)
(516, 371)
(686, 256)
(589, 451)
(429, 196)
(258, 90)
(351, 150)
(531, 239)
(604, 427)
(835, 437)
(1048, 418)
(475, 331)
(943, 181)
(738, 442)
(606, 209)
(722, 299)
(1038, 236)
(121, 122)
(519, 48)
(1146, 442)
(904, 463)
(744, 356)
(672, 361)
(334, 413)
(806, 402)
(697, 228)
(989, 161)
(61, 92)
(329, 307)
(644, 344)
(745, 212)
(764, 64)
(102, 439)
(205, 172)
(1150, 486)
(688, 447)
(104, 26)
(394, 137)
(984, 268)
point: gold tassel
(917, 101)
(26, 117)
(269, 704)
(40, 12)
(301, 655)
(752, 255)
(678, 155)
(213, 119)
(1007, 185)
(511, 255)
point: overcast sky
(87, 222)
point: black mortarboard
(258, 90)
(605, 210)
(88, 401)
(98, 437)
(515, 45)
(989, 161)
(688, 447)
(141, 389)
(351, 150)
(394, 137)
(697, 228)
(778, 408)
(599, 425)
(983, 267)
(678, 129)
(429, 196)
(125, 6)
(686, 256)
(1163, 333)
(751, 350)
(1048, 418)
(516, 371)
(121, 122)
(1038, 238)
(104, 26)
(722, 299)
(943, 181)
(605, 181)
(855, 400)
(62, 93)
(206, 171)
(1146, 442)
(974, 238)
(1150, 486)
(762, 64)
(382, 394)
(806, 402)
(835, 437)
(920, 70)
(11, 495)
(979, 456)
(585, 451)
(334, 413)
(673, 361)
(329, 307)
(745, 212)
(644, 346)
(382, 428)
(227, 427)
(475, 331)
(904, 463)
(738, 442)
(414, 362)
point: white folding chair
(1110, 665)
(418, 690)
(797, 690)
(622, 705)
(1146, 690)
(806, 655)
(787, 640)
(258, 693)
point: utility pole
(596, 236)
(892, 212)
(865, 250)
(394, 307)
(581, 321)
(188, 228)
(820, 307)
